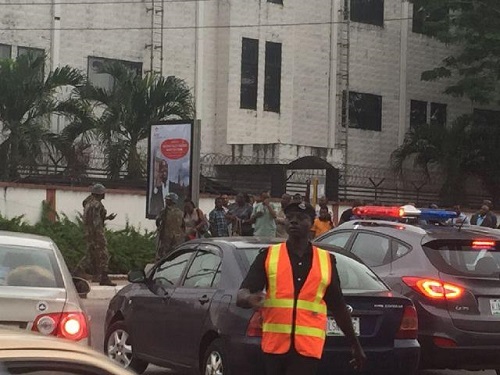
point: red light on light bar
(378, 211)
(483, 244)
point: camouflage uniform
(170, 230)
(94, 215)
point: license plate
(332, 329)
(495, 306)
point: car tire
(118, 347)
(215, 360)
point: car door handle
(204, 299)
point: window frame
(364, 113)
(132, 65)
(360, 12)
(272, 78)
(10, 50)
(247, 89)
(175, 254)
(389, 239)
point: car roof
(426, 232)
(25, 239)
(241, 242)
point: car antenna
(461, 225)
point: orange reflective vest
(281, 308)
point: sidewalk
(107, 292)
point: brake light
(434, 289)
(444, 342)
(69, 325)
(480, 244)
(408, 329)
(254, 328)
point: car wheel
(215, 362)
(118, 347)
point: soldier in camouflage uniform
(94, 216)
(170, 224)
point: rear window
(465, 258)
(353, 275)
(28, 267)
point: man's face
(285, 200)
(323, 201)
(225, 200)
(218, 203)
(298, 224)
(457, 209)
(323, 213)
(484, 209)
(264, 197)
(240, 199)
(163, 171)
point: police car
(452, 274)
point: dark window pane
(372, 249)
(5, 51)
(426, 20)
(203, 270)
(418, 113)
(438, 114)
(249, 73)
(104, 80)
(368, 11)
(272, 84)
(275, 1)
(365, 111)
(485, 117)
(35, 53)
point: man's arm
(335, 302)
(250, 294)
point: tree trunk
(134, 167)
(13, 162)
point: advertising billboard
(171, 158)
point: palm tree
(129, 109)
(448, 148)
(27, 100)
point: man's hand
(249, 300)
(358, 360)
(258, 214)
(111, 217)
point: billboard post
(173, 164)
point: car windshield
(462, 258)
(354, 275)
(29, 267)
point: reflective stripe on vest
(310, 319)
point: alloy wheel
(214, 364)
(119, 348)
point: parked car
(182, 314)
(451, 273)
(37, 292)
(30, 353)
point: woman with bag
(195, 222)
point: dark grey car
(452, 275)
(183, 315)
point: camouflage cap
(173, 197)
(98, 189)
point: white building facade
(265, 74)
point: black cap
(303, 207)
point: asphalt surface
(97, 311)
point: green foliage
(129, 248)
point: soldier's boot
(105, 280)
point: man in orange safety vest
(301, 283)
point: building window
(365, 111)
(272, 84)
(5, 51)
(275, 1)
(368, 11)
(418, 113)
(25, 50)
(249, 73)
(425, 20)
(485, 117)
(438, 114)
(104, 80)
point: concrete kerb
(107, 292)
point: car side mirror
(82, 286)
(136, 277)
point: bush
(129, 248)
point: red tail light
(254, 328)
(408, 329)
(72, 326)
(434, 289)
(444, 342)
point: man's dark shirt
(346, 216)
(256, 279)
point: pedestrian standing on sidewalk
(322, 224)
(298, 278)
(94, 216)
(264, 217)
(286, 199)
(217, 219)
(195, 222)
(170, 224)
(240, 214)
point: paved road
(97, 311)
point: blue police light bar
(436, 214)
